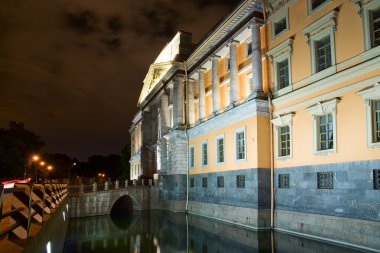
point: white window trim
(320, 109)
(278, 54)
(282, 121)
(191, 147)
(275, 18)
(311, 11)
(236, 131)
(365, 8)
(208, 158)
(369, 94)
(325, 26)
(216, 149)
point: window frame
(217, 138)
(365, 9)
(276, 18)
(323, 27)
(370, 94)
(191, 156)
(311, 10)
(278, 122)
(202, 154)
(236, 132)
(320, 109)
(278, 54)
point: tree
(17, 145)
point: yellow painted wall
(257, 128)
(351, 135)
(349, 37)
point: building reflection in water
(166, 232)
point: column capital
(232, 42)
(179, 77)
(191, 79)
(215, 57)
(200, 69)
(256, 22)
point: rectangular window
(220, 182)
(376, 120)
(228, 64)
(326, 132)
(283, 73)
(240, 181)
(284, 181)
(316, 3)
(325, 180)
(220, 150)
(279, 26)
(191, 157)
(375, 27)
(284, 141)
(323, 53)
(192, 182)
(204, 182)
(204, 154)
(240, 146)
(376, 179)
(248, 49)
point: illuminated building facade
(288, 101)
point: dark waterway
(167, 232)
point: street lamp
(33, 158)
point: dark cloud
(72, 70)
(84, 21)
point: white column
(178, 101)
(215, 84)
(201, 94)
(190, 101)
(257, 80)
(164, 113)
(234, 78)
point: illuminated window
(375, 27)
(220, 149)
(204, 154)
(324, 125)
(371, 96)
(326, 132)
(240, 144)
(191, 157)
(279, 22)
(284, 141)
(171, 116)
(323, 53)
(283, 73)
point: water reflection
(166, 232)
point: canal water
(167, 232)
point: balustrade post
(106, 186)
(117, 184)
(126, 184)
(94, 187)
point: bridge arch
(123, 200)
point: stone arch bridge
(101, 202)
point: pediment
(155, 74)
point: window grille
(284, 181)
(240, 181)
(204, 182)
(220, 182)
(325, 180)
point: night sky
(72, 70)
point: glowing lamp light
(36, 158)
(50, 167)
(42, 163)
(48, 247)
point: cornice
(230, 23)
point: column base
(258, 95)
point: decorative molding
(327, 21)
(284, 47)
(323, 107)
(275, 5)
(283, 120)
